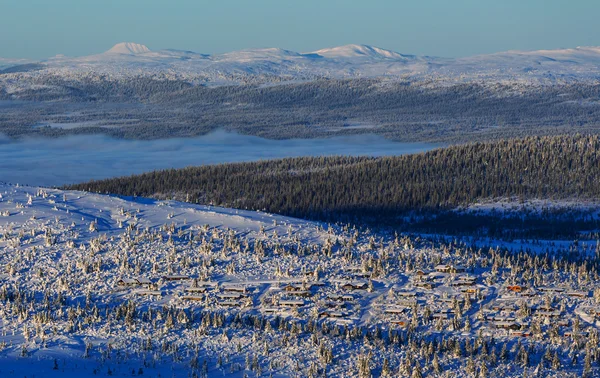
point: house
(301, 293)
(144, 281)
(230, 296)
(508, 307)
(236, 288)
(150, 293)
(551, 289)
(297, 287)
(331, 314)
(291, 302)
(445, 268)
(578, 294)
(270, 310)
(230, 303)
(548, 314)
(462, 282)
(508, 325)
(401, 323)
(520, 333)
(425, 285)
(396, 310)
(194, 298)
(195, 289)
(515, 288)
(127, 282)
(355, 286)
(442, 268)
(175, 277)
(340, 298)
(407, 294)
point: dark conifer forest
(392, 190)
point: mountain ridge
(263, 65)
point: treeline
(383, 189)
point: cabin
(341, 298)
(175, 277)
(127, 282)
(331, 314)
(402, 323)
(291, 302)
(421, 273)
(407, 294)
(462, 282)
(290, 288)
(144, 281)
(149, 293)
(301, 293)
(520, 333)
(515, 288)
(230, 303)
(425, 285)
(548, 314)
(236, 288)
(195, 289)
(355, 286)
(498, 318)
(551, 289)
(580, 333)
(578, 294)
(193, 298)
(230, 296)
(445, 268)
(504, 307)
(508, 325)
(396, 310)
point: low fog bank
(54, 162)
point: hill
(386, 190)
(96, 286)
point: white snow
(129, 48)
(264, 65)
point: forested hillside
(381, 189)
(142, 108)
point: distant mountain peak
(128, 48)
(358, 51)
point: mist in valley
(55, 162)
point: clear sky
(44, 28)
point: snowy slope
(94, 285)
(125, 59)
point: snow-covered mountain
(129, 59)
(128, 48)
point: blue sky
(43, 28)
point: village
(115, 272)
(448, 298)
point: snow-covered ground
(95, 285)
(543, 67)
